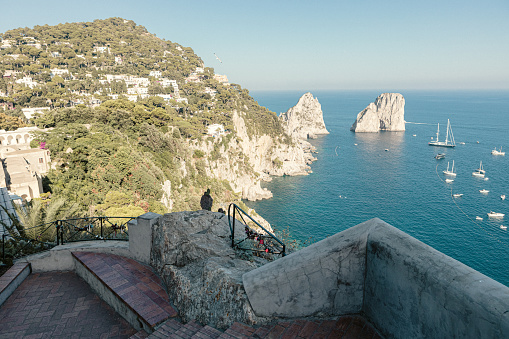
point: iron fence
(254, 241)
(19, 243)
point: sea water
(395, 177)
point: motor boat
(495, 215)
(484, 191)
(495, 152)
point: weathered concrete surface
(192, 252)
(414, 291)
(404, 287)
(324, 278)
(59, 258)
(140, 236)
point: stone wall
(404, 287)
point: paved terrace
(63, 305)
(59, 305)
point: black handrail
(250, 234)
(67, 230)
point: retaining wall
(404, 287)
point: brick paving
(134, 283)
(59, 305)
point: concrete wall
(59, 258)
(324, 278)
(414, 291)
(140, 236)
(404, 287)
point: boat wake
(418, 123)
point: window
(41, 161)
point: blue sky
(316, 45)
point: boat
(495, 215)
(449, 138)
(484, 191)
(451, 172)
(462, 143)
(449, 180)
(457, 195)
(503, 227)
(414, 135)
(502, 197)
(478, 218)
(480, 172)
(440, 156)
(495, 152)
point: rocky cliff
(304, 120)
(192, 253)
(387, 113)
(246, 160)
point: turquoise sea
(404, 186)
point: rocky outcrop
(387, 113)
(304, 120)
(192, 252)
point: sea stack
(304, 120)
(387, 113)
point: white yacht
(449, 138)
(478, 218)
(503, 227)
(457, 195)
(495, 152)
(502, 197)
(451, 172)
(495, 215)
(480, 172)
(449, 180)
(484, 191)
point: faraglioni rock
(387, 113)
(304, 120)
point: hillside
(138, 123)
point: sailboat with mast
(451, 172)
(480, 172)
(449, 137)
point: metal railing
(261, 242)
(16, 244)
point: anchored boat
(480, 172)
(451, 172)
(495, 152)
(449, 137)
(495, 215)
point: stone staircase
(138, 295)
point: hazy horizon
(330, 45)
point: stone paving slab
(59, 305)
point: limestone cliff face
(245, 161)
(304, 120)
(387, 113)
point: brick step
(130, 287)
(340, 327)
(139, 335)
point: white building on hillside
(27, 81)
(30, 111)
(156, 74)
(215, 130)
